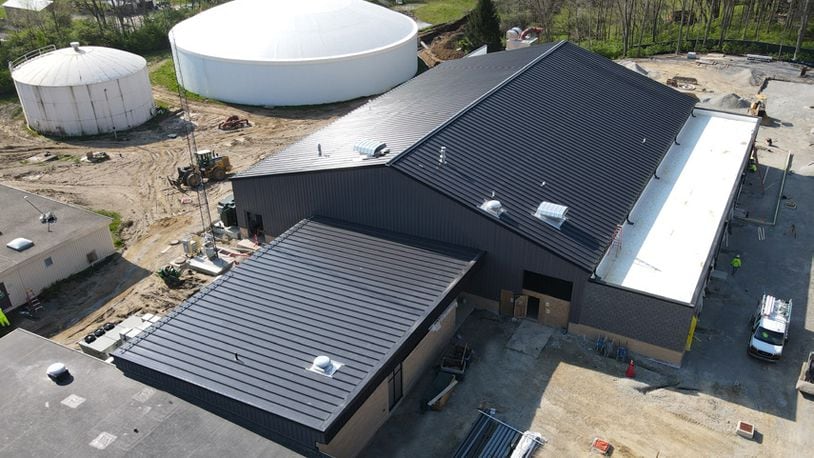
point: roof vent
(20, 244)
(323, 365)
(493, 207)
(442, 155)
(551, 213)
(58, 373)
(371, 148)
(75, 45)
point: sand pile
(633, 66)
(748, 76)
(726, 102)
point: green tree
(483, 26)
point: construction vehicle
(207, 165)
(233, 122)
(758, 107)
(770, 328)
(683, 82)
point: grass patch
(157, 56)
(442, 11)
(68, 158)
(11, 97)
(116, 226)
(164, 75)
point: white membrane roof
(677, 217)
(292, 30)
(30, 5)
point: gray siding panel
(385, 198)
(645, 318)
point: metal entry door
(5, 301)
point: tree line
(618, 28)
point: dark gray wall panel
(383, 197)
(646, 318)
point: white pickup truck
(770, 328)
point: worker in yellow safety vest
(735, 263)
(3, 320)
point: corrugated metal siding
(324, 287)
(400, 117)
(593, 131)
(645, 318)
(382, 197)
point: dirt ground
(134, 183)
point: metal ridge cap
(476, 102)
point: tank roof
(292, 30)
(79, 66)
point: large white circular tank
(84, 90)
(294, 52)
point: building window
(394, 386)
(48, 261)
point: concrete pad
(213, 267)
(530, 338)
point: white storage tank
(294, 52)
(83, 90)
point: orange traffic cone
(631, 370)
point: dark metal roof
(574, 129)
(101, 408)
(400, 117)
(356, 294)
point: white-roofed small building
(83, 90)
(294, 52)
(25, 11)
(37, 251)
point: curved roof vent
(75, 45)
(371, 148)
(58, 373)
(493, 207)
(20, 244)
(325, 366)
(551, 213)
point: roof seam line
(205, 290)
(475, 102)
